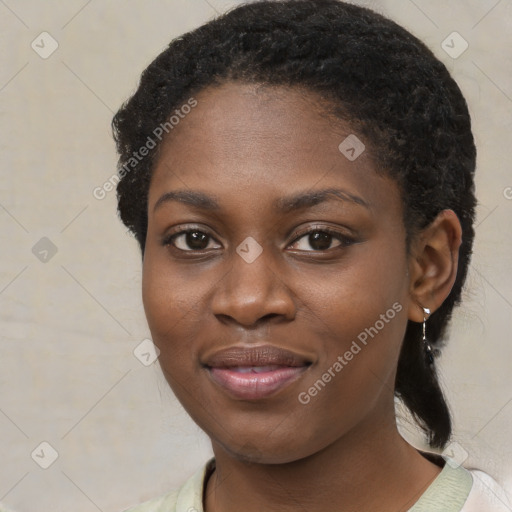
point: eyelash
(343, 239)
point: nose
(249, 293)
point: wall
(70, 302)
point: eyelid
(184, 227)
(323, 228)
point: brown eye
(189, 240)
(321, 240)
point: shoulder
(188, 497)
(486, 495)
(461, 489)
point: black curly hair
(374, 75)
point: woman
(299, 176)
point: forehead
(237, 119)
(266, 141)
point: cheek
(163, 298)
(173, 302)
(166, 306)
(358, 317)
(351, 297)
(355, 371)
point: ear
(433, 264)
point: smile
(257, 372)
(255, 382)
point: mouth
(253, 373)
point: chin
(277, 452)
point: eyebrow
(286, 204)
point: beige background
(69, 325)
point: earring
(429, 352)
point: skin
(248, 146)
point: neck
(369, 468)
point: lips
(252, 373)
(263, 355)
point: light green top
(447, 493)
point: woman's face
(278, 337)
